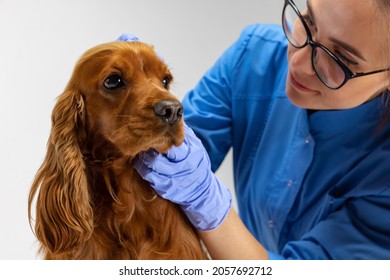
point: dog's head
(125, 89)
(117, 98)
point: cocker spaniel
(90, 202)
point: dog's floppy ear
(64, 214)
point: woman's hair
(383, 30)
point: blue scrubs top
(308, 186)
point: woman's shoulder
(263, 43)
(260, 62)
(265, 32)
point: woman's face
(348, 28)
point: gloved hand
(184, 176)
(128, 37)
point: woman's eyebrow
(342, 44)
(348, 48)
(310, 12)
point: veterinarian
(303, 106)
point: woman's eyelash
(308, 20)
(345, 59)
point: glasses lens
(327, 69)
(293, 27)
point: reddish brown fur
(90, 202)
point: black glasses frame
(309, 41)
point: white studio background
(41, 40)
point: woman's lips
(298, 85)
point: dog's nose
(169, 110)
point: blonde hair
(383, 7)
(383, 30)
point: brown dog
(90, 202)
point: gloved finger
(151, 168)
(154, 162)
(128, 37)
(176, 154)
(188, 130)
(140, 165)
(191, 136)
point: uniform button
(290, 183)
(271, 223)
(307, 140)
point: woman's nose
(301, 59)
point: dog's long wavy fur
(90, 202)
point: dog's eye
(113, 82)
(165, 81)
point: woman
(306, 118)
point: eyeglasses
(329, 68)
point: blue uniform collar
(365, 116)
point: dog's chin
(161, 144)
(171, 137)
(163, 149)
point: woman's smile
(299, 86)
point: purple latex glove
(129, 37)
(184, 176)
